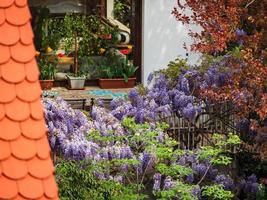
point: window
(61, 6)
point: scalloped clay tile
(2, 16)
(17, 15)
(14, 74)
(26, 169)
(6, 3)
(32, 71)
(8, 189)
(22, 53)
(2, 112)
(33, 129)
(21, 3)
(9, 34)
(5, 53)
(36, 110)
(26, 34)
(14, 168)
(9, 129)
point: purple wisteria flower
(68, 129)
(225, 181)
(106, 122)
(133, 93)
(168, 183)
(250, 185)
(240, 32)
(196, 192)
(150, 78)
(157, 181)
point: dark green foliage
(175, 68)
(216, 192)
(116, 66)
(47, 68)
(262, 195)
(122, 11)
(40, 17)
(89, 30)
(248, 163)
(76, 181)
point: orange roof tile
(26, 169)
(14, 74)
(21, 3)
(30, 187)
(31, 70)
(33, 129)
(9, 34)
(2, 16)
(5, 151)
(27, 91)
(43, 148)
(17, 15)
(7, 92)
(36, 110)
(22, 53)
(14, 168)
(23, 148)
(17, 110)
(9, 129)
(6, 3)
(5, 53)
(8, 189)
(39, 168)
(26, 34)
(2, 112)
(50, 187)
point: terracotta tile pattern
(26, 169)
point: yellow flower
(130, 47)
(37, 53)
(49, 50)
(251, 19)
(102, 50)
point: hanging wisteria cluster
(179, 95)
(104, 139)
(112, 141)
(67, 129)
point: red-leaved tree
(226, 24)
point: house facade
(155, 34)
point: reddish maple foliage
(220, 21)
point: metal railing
(216, 118)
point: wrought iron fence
(216, 118)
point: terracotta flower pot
(46, 84)
(116, 83)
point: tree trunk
(75, 55)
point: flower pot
(46, 84)
(76, 83)
(116, 83)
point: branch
(208, 168)
(248, 4)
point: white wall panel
(163, 36)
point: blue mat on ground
(102, 93)
(49, 93)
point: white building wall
(163, 36)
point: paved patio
(87, 94)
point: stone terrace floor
(88, 93)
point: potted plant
(75, 30)
(116, 72)
(47, 72)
